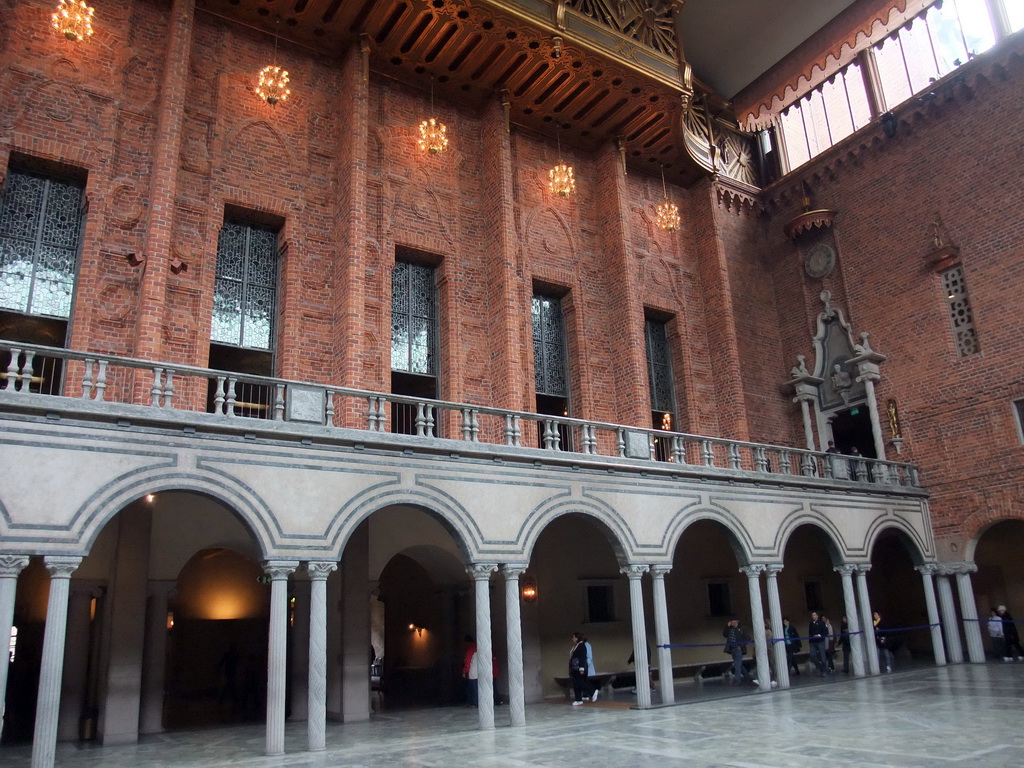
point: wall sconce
(170, 619)
(417, 630)
(529, 590)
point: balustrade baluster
(860, 470)
(25, 380)
(678, 449)
(734, 456)
(87, 378)
(784, 462)
(229, 406)
(549, 439)
(154, 391)
(807, 468)
(708, 452)
(420, 421)
(620, 442)
(101, 381)
(279, 403)
(513, 432)
(589, 439)
(329, 408)
(467, 426)
(760, 459)
(12, 369)
(218, 398)
(169, 388)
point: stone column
(75, 682)
(938, 649)
(870, 649)
(662, 638)
(481, 573)
(317, 707)
(154, 658)
(778, 631)
(277, 655)
(635, 573)
(10, 567)
(44, 740)
(969, 611)
(852, 620)
(949, 618)
(299, 617)
(514, 630)
(867, 361)
(764, 676)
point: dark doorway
(852, 427)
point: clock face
(819, 261)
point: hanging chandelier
(433, 133)
(272, 85)
(666, 212)
(561, 180)
(73, 20)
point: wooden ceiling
(475, 51)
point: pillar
(10, 567)
(764, 676)
(277, 655)
(44, 740)
(949, 619)
(662, 638)
(969, 611)
(481, 573)
(298, 686)
(514, 632)
(317, 690)
(154, 658)
(870, 649)
(852, 619)
(938, 649)
(635, 573)
(355, 625)
(778, 631)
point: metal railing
(227, 396)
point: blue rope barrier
(838, 637)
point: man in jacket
(736, 646)
(817, 632)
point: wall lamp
(529, 590)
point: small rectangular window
(719, 599)
(960, 315)
(600, 598)
(812, 594)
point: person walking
(1011, 638)
(817, 633)
(830, 645)
(995, 634)
(736, 646)
(581, 685)
(793, 645)
(471, 671)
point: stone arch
(106, 502)
(908, 536)
(455, 518)
(739, 539)
(614, 528)
(833, 538)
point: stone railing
(251, 403)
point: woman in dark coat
(793, 645)
(581, 685)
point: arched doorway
(1000, 577)
(898, 597)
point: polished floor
(963, 715)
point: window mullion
(37, 245)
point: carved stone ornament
(820, 261)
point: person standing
(581, 686)
(470, 671)
(995, 634)
(591, 670)
(830, 645)
(844, 643)
(817, 634)
(736, 646)
(1011, 638)
(793, 644)
(885, 657)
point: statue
(841, 382)
(800, 369)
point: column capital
(659, 570)
(773, 569)
(514, 570)
(279, 569)
(319, 570)
(928, 569)
(957, 568)
(12, 565)
(633, 570)
(481, 571)
(754, 570)
(863, 567)
(61, 567)
(846, 569)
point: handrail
(237, 395)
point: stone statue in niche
(841, 382)
(800, 369)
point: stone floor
(963, 715)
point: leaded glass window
(413, 319)
(245, 288)
(40, 231)
(659, 367)
(549, 353)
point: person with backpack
(736, 640)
